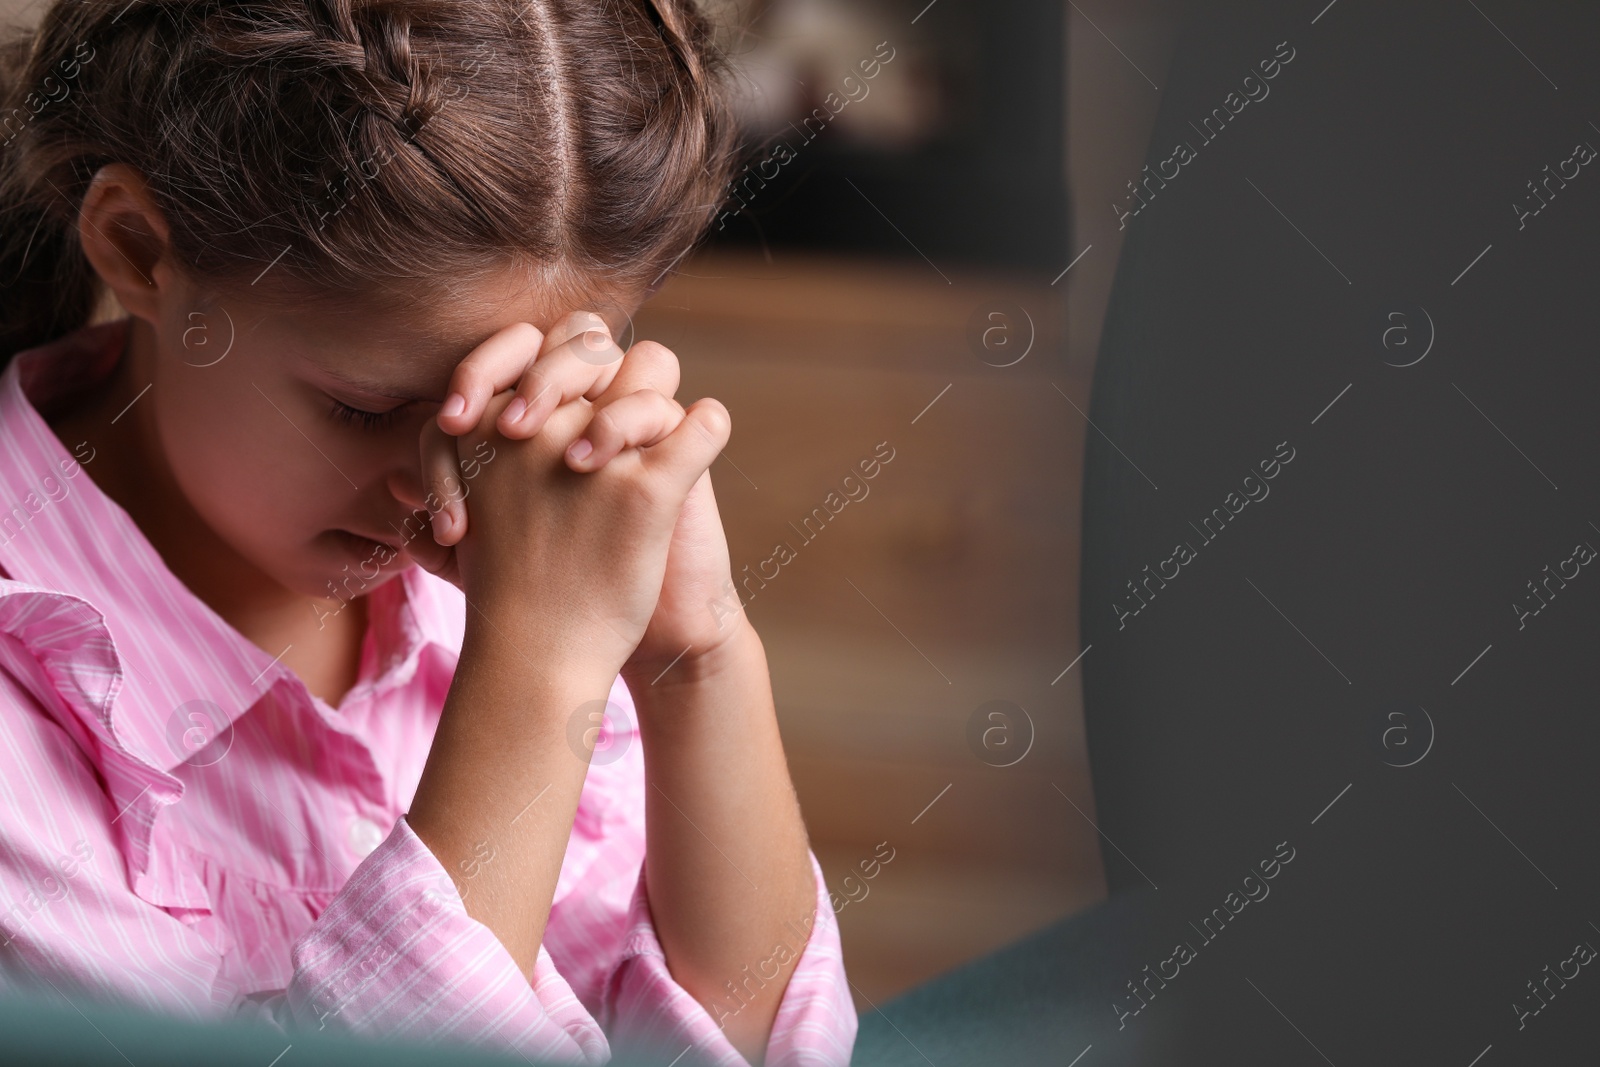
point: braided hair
(320, 149)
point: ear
(126, 239)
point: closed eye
(367, 420)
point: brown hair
(350, 146)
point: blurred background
(892, 267)
(892, 279)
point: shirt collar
(68, 546)
(63, 533)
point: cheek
(264, 468)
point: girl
(287, 283)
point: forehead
(406, 345)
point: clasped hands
(598, 494)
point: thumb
(444, 494)
(689, 450)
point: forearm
(726, 860)
(496, 800)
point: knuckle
(607, 423)
(672, 412)
(524, 332)
(471, 375)
(665, 412)
(654, 350)
(577, 324)
(534, 382)
(655, 354)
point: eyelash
(367, 420)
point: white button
(365, 835)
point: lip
(367, 547)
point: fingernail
(442, 524)
(580, 448)
(454, 404)
(514, 410)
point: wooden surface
(950, 583)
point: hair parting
(346, 149)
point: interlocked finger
(578, 358)
(637, 420)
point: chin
(348, 565)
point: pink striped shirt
(185, 826)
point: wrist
(506, 636)
(697, 667)
(703, 702)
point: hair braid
(356, 145)
(395, 79)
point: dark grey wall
(1342, 668)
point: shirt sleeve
(395, 953)
(649, 1014)
(603, 936)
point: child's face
(295, 434)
